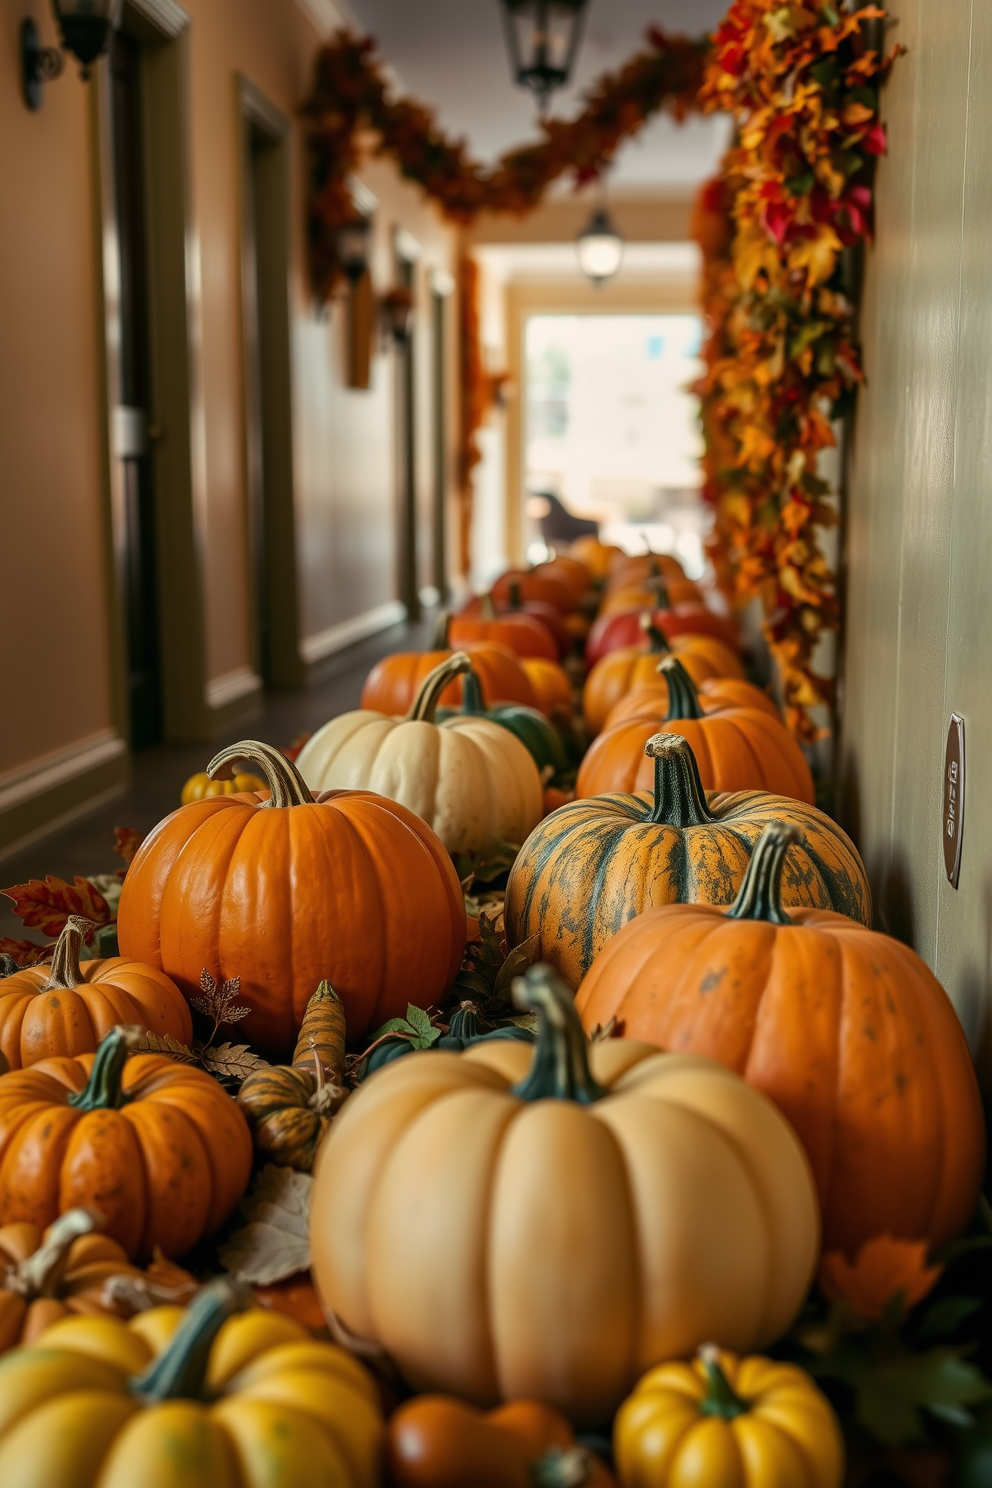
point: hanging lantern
(542, 37)
(600, 248)
(355, 247)
(86, 26)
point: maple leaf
(817, 254)
(46, 903)
(22, 953)
(127, 840)
(273, 1241)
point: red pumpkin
(525, 634)
(623, 628)
(620, 671)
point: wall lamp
(85, 29)
(600, 248)
(396, 309)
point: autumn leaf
(233, 1062)
(148, 1042)
(273, 1241)
(219, 1003)
(127, 840)
(816, 254)
(883, 1272)
(23, 953)
(46, 903)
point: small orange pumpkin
(68, 1006)
(736, 748)
(572, 571)
(394, 682)
(635, 568)
(652, 594)
(525, 634)
(534, 584)
(552, 689)
(598, 557)
(620, 671)
(650, 700)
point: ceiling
(451, 54)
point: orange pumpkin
(284, 891)
(67, 1007)
(591, 866)
(652, 594)
(550, 617)
(157, 1147)
(394, 682)
(598, 557)
(845, 1029)
(651, 700)
(525, 634)
(572, 571)
(635, 568)
(533, 584)
(735, 748)
(620, 671)
(552, 689)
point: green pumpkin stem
(286, 785)
(65, 973)
(659, 588)
(760, 894)
(568, 1467)
(179, 1372)
(464, 1022)
(424, 705)
(720, 1398)
(657, 639)
(104, 1089)
(473, 703)
(679, 798)
(442, 626)
(683, 699)
(561, 1063)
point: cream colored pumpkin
(469, 778)
(502, 1244)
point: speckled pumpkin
(595, 864)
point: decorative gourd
(691, 1196)
(619, 672)
(66, 1007)
(530, 726)
(289, 1111)
(595, 864)
(845, 1029)
(637, 568)
(736, 748)
(463, 1031)
(552, 588)
(71, 1269)
(323, 1029)
(394, 682)
(434, 1441)
(725, 1422)
(552, 689)
(599, 558)
(622, 627)
(472, 780)
(651, 700)
(197, 1398)
(285, 891)
(524, 634)
(158, 1147)
(198, 787)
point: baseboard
(232, 699)
(52, 792)
(317, 648)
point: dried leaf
(163, 1043)
(46, 903)
(274, 1239)
(219, 1002)
(231, 1061)
(127, 840)
(109, 885)
(23, 953)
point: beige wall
(919, 525)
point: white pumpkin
(470, 779)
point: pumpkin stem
(487, 609)
(657, 639)
(720, 1398)
(442, 625)
(104, 1090)
(41, 1274)
(65, 973)
(286, 785)
(516, 599)
(570, 1467)
(679, 798)
(659, 588)
(760, 894)
(464, 1021)
(683, 699)
(561, 1065)
(425, 703)
(179, 1372)
(473, 703)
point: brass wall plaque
(953, 819)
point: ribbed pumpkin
(472, 780)
(623, 627)
(620, 671)
(532, 728)
(524, 634)
(552, 689)
(158, 1147)
(283, 891)
(652, 594)
(845, 1029)
(599, 557)
(67, 1007)
(188, 1399)
(199, 786)
(535, 584)
(548, 614)
(635, 568)
(571, 570)
(393, 683)
(651, 700)
(71, 1269)
(598, 1211)
(596, 863)
(735, 748)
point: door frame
(442, 287)
(406, 254)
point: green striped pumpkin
(533, 730)
(594, 864)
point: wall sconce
(355, 248)
(396, 309)
(542, 38)
(85, 28)
(600, 248)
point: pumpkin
(637, 568)
(599, 558)
(845, 1029)
(736, 748)
(620, 671)
(464, 1030)
(66, 1007)
(571, 570)
(584, 1238)
(531, 727)
(393, 683)
(200, 785)
(651, 700)
(156, 1146)
(548, 614)
(552, 688)
(551, 588)
(623, 627)
(651, 594)
(524, 634)
(188, 1399)
(289, 1110)
(471, 779)
(595, 864)
(285, 891)
(70, 1268)
(434, 1441)
(728, 1423)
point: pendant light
(542, 37)
(600, 247)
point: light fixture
(85, 29)
(542, 37)
(600, 247)
(355, 247)
(397, 314)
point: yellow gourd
(199, 786)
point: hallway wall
(919, 519)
